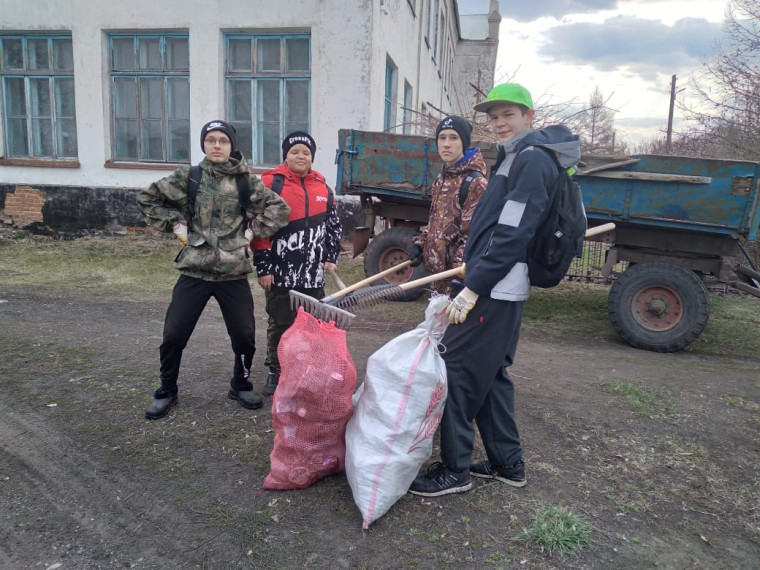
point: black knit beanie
(218, 125)
(458, 124)
(298, 137)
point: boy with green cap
(486, 310)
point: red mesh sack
(312, 404)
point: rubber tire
(677, 286)
(392, 246)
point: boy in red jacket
(297, 256)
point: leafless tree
(728, 88)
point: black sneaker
(514, 475)
(160, 407)
(440, 480)
(247, 398)
(273, 378)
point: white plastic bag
(396, 412)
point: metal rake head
(370, 296)
(320, 310)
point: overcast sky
(562, 49)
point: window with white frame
(268, 83)
(407, 127)
(150, 97)
(37, 96)
(389, 114)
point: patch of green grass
(651, 403)
(130, 265)
(733, 328)
(740, 402)
(557, 530)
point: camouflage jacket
(444, 237)
(217, 248)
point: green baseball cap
(506, 93)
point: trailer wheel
(658, 306)
(388, 248)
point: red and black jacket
(296, 254)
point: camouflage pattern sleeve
(163, 202)
(477, 188)
(268, 212)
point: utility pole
(670, 114)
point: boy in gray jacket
(230, 206)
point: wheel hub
(657, 308)
(391, 257)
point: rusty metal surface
(386, 165)
(728, 204)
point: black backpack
(194, 179)
(559, 239)
(464, 189)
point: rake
(380, 293)
(325, 309)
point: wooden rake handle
(608, 227)
(430, 278)
(346, 290)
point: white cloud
(629, 50)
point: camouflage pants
(281, 317)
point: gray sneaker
(513, 475)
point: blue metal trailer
(679, 223)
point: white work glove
(248, 233)
(180, 230)
(461, 305)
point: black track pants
(189, 298)
(477, 354)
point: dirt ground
(86, 482)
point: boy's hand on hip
(461, 305)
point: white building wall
(350, 40)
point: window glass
(297, 101)
(239, 55)
(149, 53)
(13, 54)
(40, 96)
(63, 55)
(38, 54)
(15, 96)
(297, 54)
(151, 98)
(177, 54)
(123, 54)
(268, 55)
(42, 137)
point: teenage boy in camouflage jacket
(440, 245)
(215, 260)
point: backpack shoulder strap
(464, 189)
(193, 180)
(278, 180)
(244, 191)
